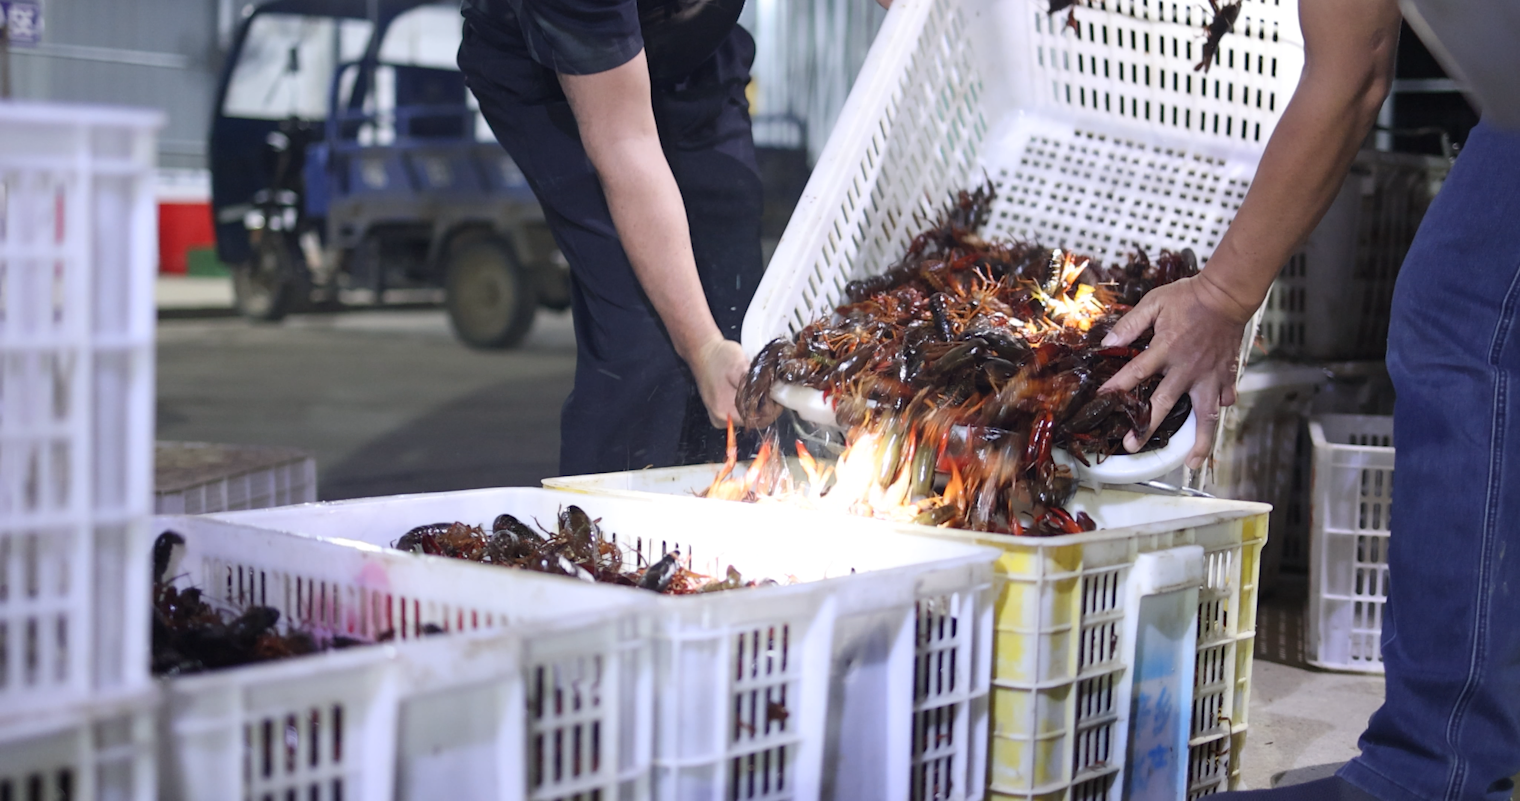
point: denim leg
(1449, 727)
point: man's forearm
(1348, 68)
(650, 217)
(612, 110)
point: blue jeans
(1449, 727)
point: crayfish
(958, 372)
(576, 547)
(1222, 23)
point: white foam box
(878, 654)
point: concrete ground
(1304, 723)
(387, 401)
(390, 403)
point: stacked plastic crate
(1102, 138)
(76, 419)
(864, 675)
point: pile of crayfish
(190, 635)
(957, 371)
(578, 547)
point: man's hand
(1196, 348)
(719, 369)
(1199, 321)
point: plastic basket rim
(1317, 434)
(978, 555)
(91, 114)
(1227, 510)
(35, 724)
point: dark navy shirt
(570, 37)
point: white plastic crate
(92, 750)
(1348, 572)
(77, 249)
(539, 690)
(1100, 142)
(1331, 301)
(1262, 455)
(886, 701)
(1060, 729)
(199, 477)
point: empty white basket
(1348, 569)
(200, 477)
(77, 260)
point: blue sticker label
(23, 21)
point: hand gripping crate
(877, 661)
(1332, 300)
(100, 749)
(1348, 573)
(536, 690)
(77, 248)
(1066, 616)
(1101, 141)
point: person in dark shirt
(630, 122)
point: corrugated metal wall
(807, 55)
(158, 53)
(167, 53)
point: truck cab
(350, 165)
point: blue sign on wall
(23, 21)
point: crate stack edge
(1348, 574)
(526, 677)
(77, 250)
(884, 668)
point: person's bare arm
(1348, 64)
(616, 121)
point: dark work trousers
(635, 403)
(1449, 729)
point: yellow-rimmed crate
(1089, 630)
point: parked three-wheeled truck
(350, 165)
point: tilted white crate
(77, 245)
(879, 657)
(538, 690)
(1348, 567)
(1067, 657)
(1101, 141)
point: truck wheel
(490, 298)
(264, 287)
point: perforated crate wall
(1090, 143)
(284, 484)
(77, 245)
(1056, 719)
(93, 750)
(1332, 300)
(561, 705)
(1348, 571)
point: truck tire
(264, 287)
(489, 296)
